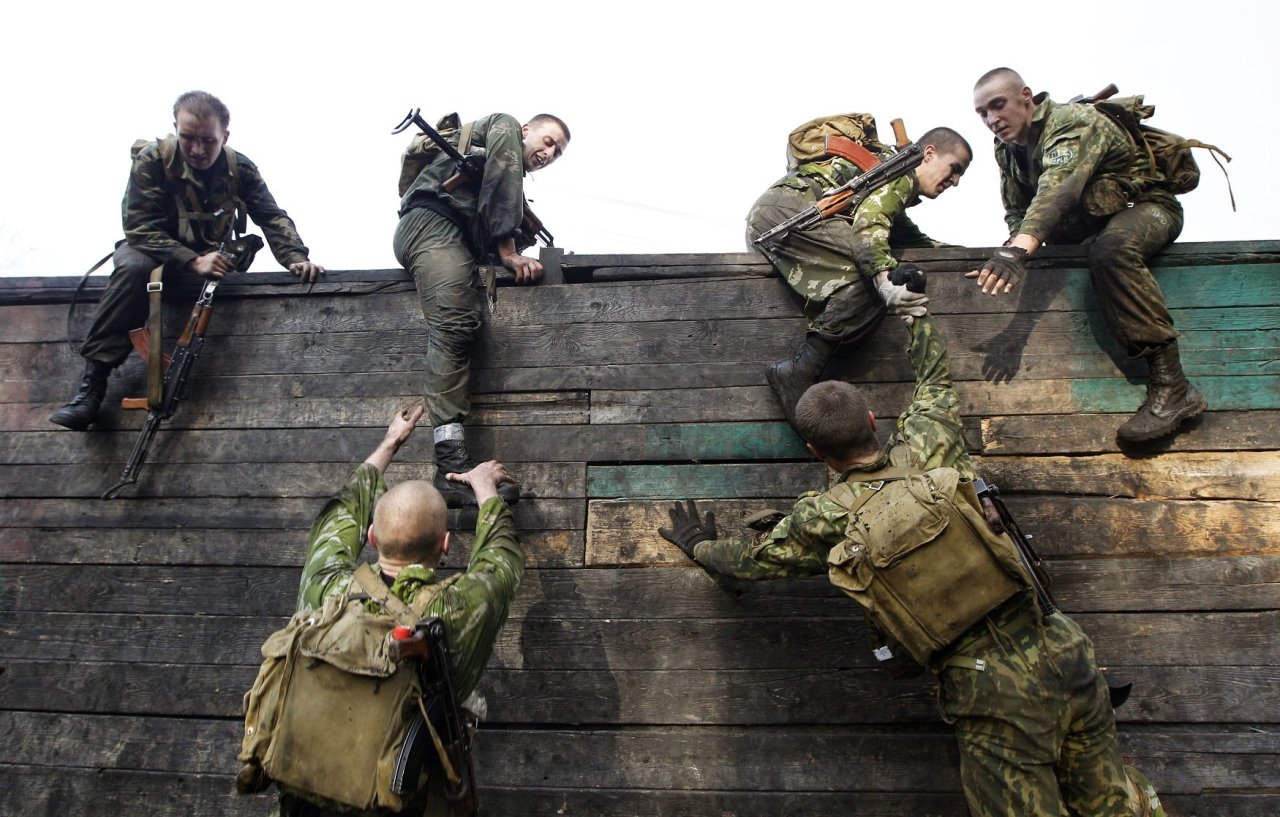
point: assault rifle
(439, 721)
(1001, 521)
(470, 169)
(240, 253)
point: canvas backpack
(920, 558)
(190, 211)
(808, 142)
(1169, 157)
(423, 150)
(330, 710)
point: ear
(444, 544)
(226, 134)
(524, 131)
(930, 153)
(871, 417)
(815, 451)
(373, 541)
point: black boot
(452, 458)
(84, 405)
(1171, 400)
(789, 378)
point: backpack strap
(842, 494)
(233, 187)
(408, 615)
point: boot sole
(1189, 413)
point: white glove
(901, 301)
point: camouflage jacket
(880, 220)
(161, 178)
(492, 210)
(928, 435)
(1081, 167)
(474, 607)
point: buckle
(155, 286)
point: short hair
(832, 417)
(945, 140)
(201, 104)
(410, 521)
(555, 120)
(1003, 74)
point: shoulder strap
(233, 188)
(464, 140)
(408, 615)
(842, 494)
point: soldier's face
(544, 142)
(1006, 109)
(200, 139)
(941, 171)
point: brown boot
(1171, 400)
(789, 378)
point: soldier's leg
(818, 265)
(1091, 772)
(433, 248)
(1134, 306)
(123, 307)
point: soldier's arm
(931, 425)
(280, 231)
(500, 204)
(145, 212)
(476, 606)
(796, 546)
(872, 222)
(338, 535)
(1071, 154)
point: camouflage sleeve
(904, 233)
(501, 200)
(796, 546)
(931, 427)
(145, 212)
(1071, 153)
(872, 222)
(337, 537)
(280, 231)
(476, 605)
(1012, 194)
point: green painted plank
(721, 441)
(1223, 393)
(738, 481)
(1200, 286)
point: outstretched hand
(1003, 271)
(687, 528)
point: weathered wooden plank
(1095, 434)
(243, 512)
(284, 480)
(745, 697)
(1245, 475)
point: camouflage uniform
(831, 264)
(1084, 179)
(441, 238)
(473, 608)
(1035, 727)
(161, 185)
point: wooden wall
(628, 682)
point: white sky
(679, 110)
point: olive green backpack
(808, 142)
(920, 558)
(330, 710)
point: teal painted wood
(721, 441)
(1223, 393)
(735, 481)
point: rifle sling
(155, 341)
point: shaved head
(410, 522)
(1002, 76)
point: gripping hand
(1004, 270)
(687, 529)
(903, 300)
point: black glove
(687, 529)
(910, 275)
(1008, 264)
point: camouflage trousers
(840, 302)
(433, 248)
(1033, 718)
(1129, 294)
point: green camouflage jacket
(1081, 167)
(928, 435)
(474, 607)
(492, 210)
(160, 177)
